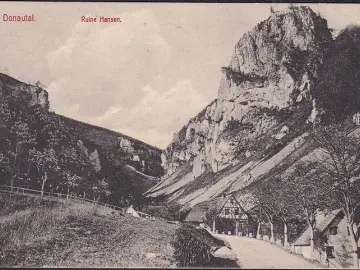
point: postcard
(179, 135)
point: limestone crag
(35, 94)
(272, 71)
(38, 95)
(93, 155)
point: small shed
(132, 211)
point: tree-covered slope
(45, 151)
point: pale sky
(144, 77)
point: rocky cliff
(272, 70)
(258, 124)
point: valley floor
(253, 253)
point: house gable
(224, 207)
(232, 209)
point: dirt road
(253, 253)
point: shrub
(235, 126)
(193, 248)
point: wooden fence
(143, 215)
(22, 190)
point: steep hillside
(271, 96)
(42, 150)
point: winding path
(253, 253)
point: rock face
(141, 157)
(286, 76)
(93, 156)
(271, 73)
(126, 145)
(33, 93)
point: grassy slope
(43, 232)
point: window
(330, 252)
(231, 201)
(227, 211)
(333, 230)
(237, 211)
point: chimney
(224, 195)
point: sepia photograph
(179, 135)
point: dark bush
(193, 248)
(240, 77)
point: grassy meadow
(48, 232)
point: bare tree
(281, 201)
(22, 136)
(307, 194)
(261, 199)
(276, 198)
(260, 217)
(46, 164)
(339, 167)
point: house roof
(304, 238)
(198, 212)
(330, 216)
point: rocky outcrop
(271, 73)
(38, 95)
(145, 158)
(126, 145)
(35, 94)
(93, 156)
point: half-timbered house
(224, 214)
